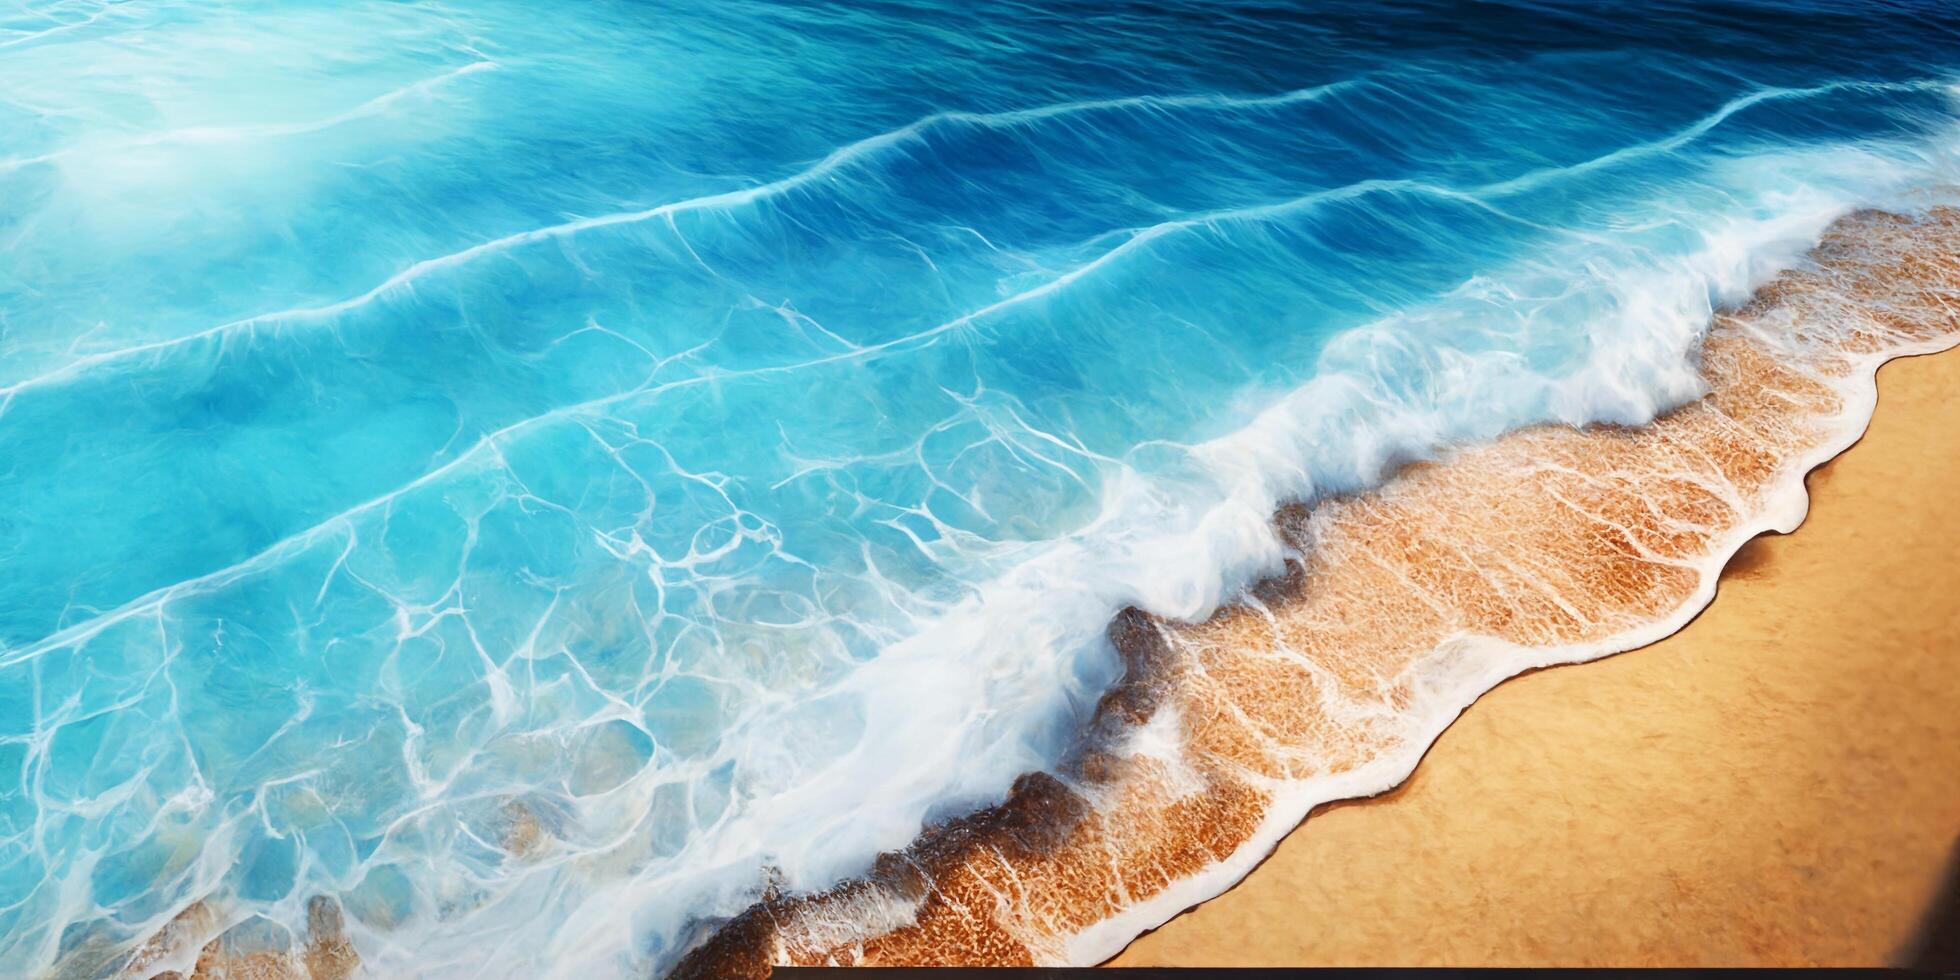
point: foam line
(1333, 682)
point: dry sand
(1777, 784)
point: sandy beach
(1777, 788)
(1776, 784)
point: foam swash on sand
(1403, 605)
(491, 494)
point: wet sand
(1402, 605)
(1777, 784)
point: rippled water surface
(540, 474)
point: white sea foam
(1181, 540)
(1459, 672)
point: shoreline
(1402, 607)
(1715, 798)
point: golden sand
(1547, 545)
(1777, 784)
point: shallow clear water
(540, 474)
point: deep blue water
(716, 435)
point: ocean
(514, 485)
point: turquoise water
(540, 475)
